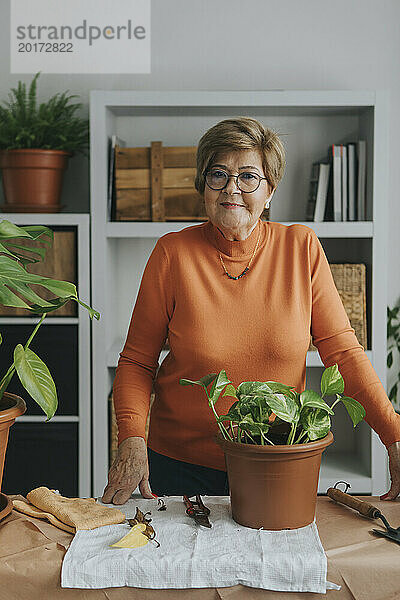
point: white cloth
(191, 556)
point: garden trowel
(366, 509)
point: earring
(268, 202)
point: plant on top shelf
(53, 125)
(299, 417)
(36, 141)
(15, 291)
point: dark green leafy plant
(53, 125)
(15, 291)
(393, 337)
(300, 417)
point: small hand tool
(364, 508)
(197, 510)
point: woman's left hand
(394, 468)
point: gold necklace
(247, 268)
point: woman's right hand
(129, 469)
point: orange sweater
(256, 328)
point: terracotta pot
(32, 179)
(274, 487)
(6, 506)
(12, 406)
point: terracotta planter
(274, 487)
(32, 179)
(12, 406)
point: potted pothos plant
(273, 438)
(36, 142)
(15, 291)
(393, 339)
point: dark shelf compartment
(42, 454)
(57, 346)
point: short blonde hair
(241, 133)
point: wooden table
(366, 566)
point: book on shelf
(343, 150)
(318, 191)
(352, 181)
(312, 192)
(361, 179)
(115, 141)
(337, 181)
(337, 190)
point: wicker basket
(113, 428)
(157, 184)
(350, 283)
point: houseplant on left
(35, 144)
(15, 291)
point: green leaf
(281, 388)
(390, 359)
(62, 289)
(204, 382)
(284, 407)
(25, 291)
(390, 330)
(247, 423)
(218, 385)
(316, 422)
(51, 125)
(233, 414)
(392, 313)
(9, 230)
(92, 312)
(22, 258)
(230, 391)
(15, 278)
(312, 399)
(36, 379)
(252, 426)
(252, 388)
(354, 408)
(38, 231)
(296, 397)
(332, 381)
(393, 394)
(255, 405)
(6, 380)
(33, 250)
(8, 298)
(52, 305)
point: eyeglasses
(217, 179)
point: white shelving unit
(309, 122)
(80, 222)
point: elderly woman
(234, 293)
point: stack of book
(111, 200)
(337, 185)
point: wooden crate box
(157, 184)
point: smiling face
(235, 212)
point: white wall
(260, 45)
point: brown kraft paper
(365, 565)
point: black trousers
(170, 477)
